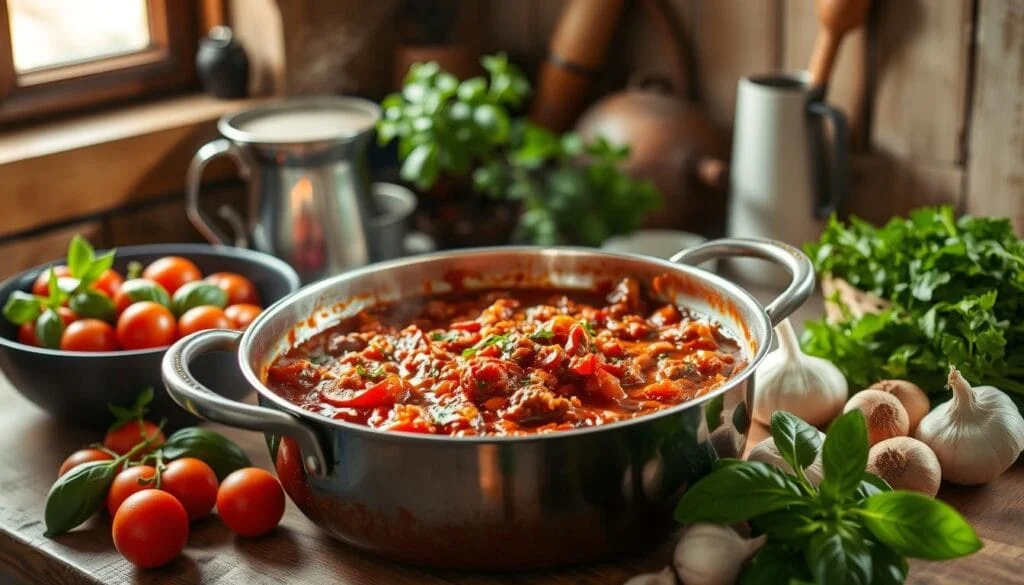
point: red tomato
(250, 501)
(41, 287)
(203, 317)
(27, 331)
(146, 324)
(126, 483)
(108, 282)
(150, 529)
(193, 483)
(83, 456)
(123, 438)
(241, 315)
(89, 335)
(239, 288)
(172, 272)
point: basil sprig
(854, 530)
(216, 450)
(197, 294)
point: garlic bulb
(809, 387)
(767, 452)
(910, 395)
(906, 464)
(883, 412)
(977, 435)
(663, 577)
(711, 554)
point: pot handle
(194, 177)
(793, 260)
(207, 404)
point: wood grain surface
(32, 445)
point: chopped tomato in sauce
(507, 362)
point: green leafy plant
(571, 191)
(957, 293)
(853, 529)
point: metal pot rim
(725, 287)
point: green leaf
(374, 375)
(915, 525)
(219, 452)
(92, 304)
(77, 495)
(738, 492)
(141, 289)
(472, 90)
(420, 167)
(542, 335)
(80, 256)
(888, 567)
(22, 307)
(49, 328)
(99, 265)
(839, 558)
(447, 336)
(793, 523)
(773, 563)
(844, 456)
(134, 270)
(135, 413)
(797, 441)
(491, 340)
(870, 485)
(197, 294)
(713, 412)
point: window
(60, 55)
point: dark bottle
(222, 65)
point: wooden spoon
(836, 18)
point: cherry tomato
(127, 483)
(27, 331)
(108, 282)
(202, 317)
(123, 438)
(193, 483)
(242, 314)
(150, 528)
(146, 324)
(239, 288)
(83, 456)
(250, 501)
(172, 272)
(89, 335)
(41, 287)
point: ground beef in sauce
(508, 362)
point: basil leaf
(219, 452)
(839, 558)
(773, 563)
(870, 485)
(713, 412)
(915, 525)
(80, 256)
(374, 375)
(22, 307)
(446, 336)
(794, 523)
(844, 456)
(492, 340)
(92, 304)
(797, 441)
(198, 294)
(49, 328)
(888, 567)
(99, 265)
(738, 492)
(141, 289)
(542, 335)
(77, 494)
(589, 328)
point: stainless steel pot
(496, 502)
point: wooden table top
(32, 446)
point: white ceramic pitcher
(785, 178)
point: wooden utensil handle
(823, 57)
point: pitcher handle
(201, 221)
(832, 180)
(801, 270)
(207, 404)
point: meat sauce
(507, 362)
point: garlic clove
(662, 577)
(807, 386)
(883, 412)
(906, 464)
(910, 395)
(711, 554)
(767, 452)
(977, 435)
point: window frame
(168, 64)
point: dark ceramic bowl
(77, 386)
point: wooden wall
(934, 89)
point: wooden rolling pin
(576, 55)
(835, 18)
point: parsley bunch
(957, 293)
(851, 530)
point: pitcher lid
(305, 120)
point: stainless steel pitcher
(310, 198)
